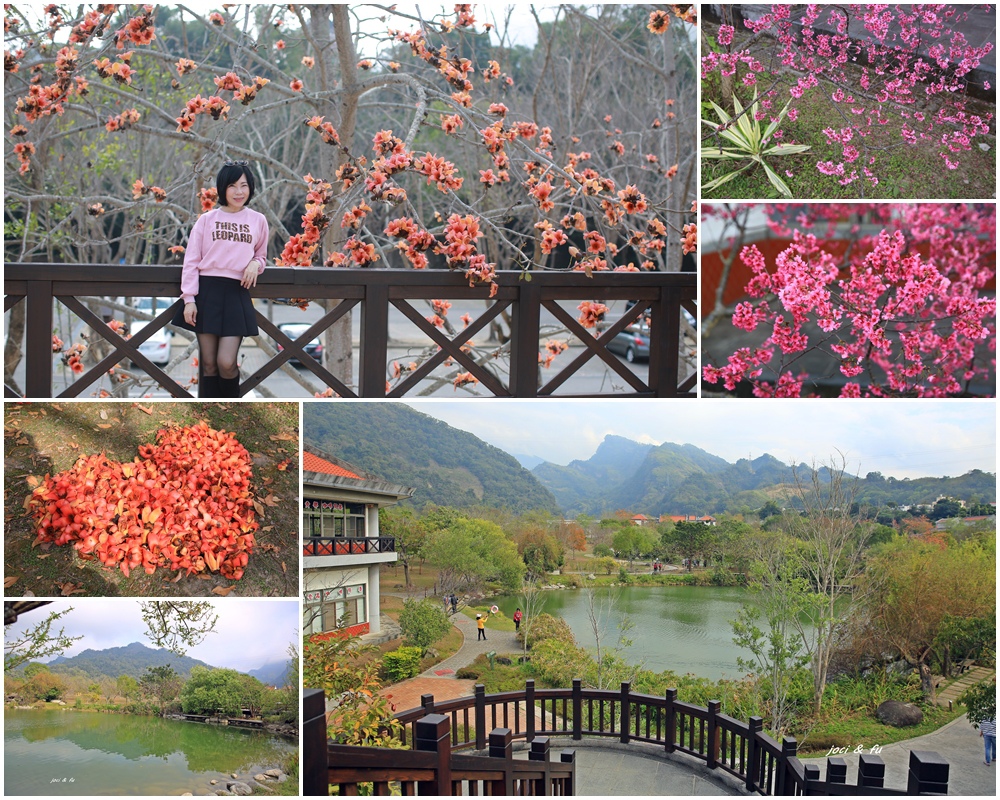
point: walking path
(957, 742)
(968, 678)
(440, 679)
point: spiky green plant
(748, 139)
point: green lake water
(74, 753)
(680, 628)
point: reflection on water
(69, 753)
(680, 628)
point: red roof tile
(313, 463)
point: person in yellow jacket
(481, 624)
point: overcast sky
(901, 438)
(250, 632)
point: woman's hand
(190, 313)
(250, 274)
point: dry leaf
(147, 409)
(222, 591)
(285, 437)
(283, 567)
(104, 425)
(8, 582)
(33, 481)
(57, 407)
(45, 555)
(271, 500)
(104, 414)
(67, 589)
(259, 508)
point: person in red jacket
(518, 616)
(226, 251)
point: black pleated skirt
(224, 308)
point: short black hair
(229, 174)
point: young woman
(226, 251)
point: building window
(330, 609)
(328, 519)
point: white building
(341, 546)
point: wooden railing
(347, 546)
(430, 768)
(658, 295)
(740, 748)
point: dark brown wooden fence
(430, 768)
(722, 742)
(373, 292)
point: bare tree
(832, 541)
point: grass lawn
(850, 729)
(47, 438)
(904, 171)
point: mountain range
(451, 467)
(446, 466)
(135, 658)
(684, 479)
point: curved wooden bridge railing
(740, 748)
(374, 292)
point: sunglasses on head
(241, 163)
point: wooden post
(433, 735)
(38, 339)
(812, 776)
(624, 715)
(529, 708)
(427, 703)
(836, 770)
(671, 735)
(928, 773)
(524, 347)
(315, 770)
(502, 747)
(540, 752)
(871, 771)
(789, 749)
(712, 754)
(480, 696)
(577, 709)
(569, 757)
(374, 340)
(755, 725)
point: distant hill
(447, 466)
(684, 479)
(132, 659)
(274, 674)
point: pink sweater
(221, 244)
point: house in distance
(341, 546)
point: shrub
(602, 551)
(422, 623)
(623, 575)
(401, 664)
(544, 627)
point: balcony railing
(524, 299)
(348, 546)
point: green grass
(904, 171)
(850, 730)
(46, 438)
